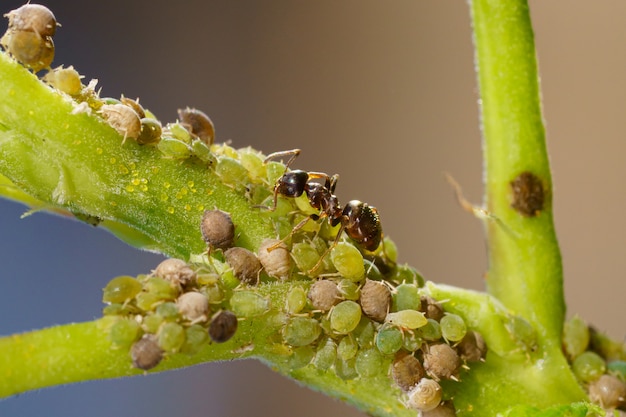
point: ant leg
(294, 230)
(325, 254)
(271, 208)
(292, 152)
(332, 183)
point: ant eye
(124, 332)
(425, 396)
(347, 348)
(407, 319)
(389, 340)
(323, 295)
(407, 372)
(453, 327)
(431, 331)
(588, 366)
(295, 300)
(121, 289)
(223, 326)
(248, 304)
(326, 355)
(348, 261)
(441, 361)
(368, 362)
(146, 353)
(345, 316)
(406, 297)
(171, 337)
(301, 331)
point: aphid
(305, 256)
(171, 337)
(134, 104)
(575, 337)
(588, 366)
(173, 148)
(368, 362)
(453, 327)
(323, 295)
(412, 341)
(348, 261)
(441, 362)
(199, 124)
(223, 326)
(347, 348)
(472, 348)
(252, 161)
(389, 340)
(175, 271)
(406, 297)
(195, 338)
(301, 357)
(407, 371)
(168, 311)
(214, 293)
(151, 323)
(375, 300)
(217, 229)
(407, 319)
(275, 258)
(528, 194)
(326, 355)
(431, 331)
(425, 396)
(301, 331)
(34, 18)
(121, 289)
(295, 300)
(245, 264)
(161, 288)
(365, 333)
(29, 49)
(147, 301)
(608, 391)
(349, 290)
(123, 119)
(150, 131)
(146, 353)
(431, 308)
(346, 370)
(231, 172)
(248, 304)
(193, 306)
(202, 151)
(617, 368)
(124, 332)
(65, 79)
(345, 316)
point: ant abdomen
(362, 224)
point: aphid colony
(597, 362)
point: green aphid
(346, 370)
(253, 163)
(161, 288)
(178, 131)
(391, 250)
(301, 331)
(195, 337)
(301, 357)
(365, 333)
(121, 289)
(231, 172)
(214, 293)
(274, 170)
(617, 368)
(453, 327)
(119, 310)
(431, 331)
(588, 366)
(326, 355)
(349, 289)
(147, 301)
(124, 332)
(347, 348)
(169, 311)
(152, 322)
(371, 271)
(348, 261)
(389, 340)
(65, 79)
(173, 148)
(247, 304)
(305, 256)
(406, 297)
(150, 132)
(369, 362)
(412, 341)
(345, 316)
(575, 336)
(407, 274)
(408, 319)
(171, 337)
(522, 331)
(295, 300)
(202, 151)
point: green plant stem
(525, 271)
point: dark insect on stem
(528, 194)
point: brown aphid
(431, 308)
(29, 49)
(472, 348)
(375, 300)
(146, 353)
(175, 271)
(445, 409)
(245, 264)
(528, 194)
(407, 371)
(33, 18)
(608, 391)
(134, 104)
(223, 326)
(441, 362)
(123, 119)
(199, 124)
(425, 396)
(275, 258)
(323, 295)
(217, 229)
(193, 306)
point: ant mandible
(360, 221)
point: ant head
(292, 183)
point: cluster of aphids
(598, 363)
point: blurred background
(383, 93)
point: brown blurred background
(383, 93)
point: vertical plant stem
(525, 270)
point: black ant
(360, 221)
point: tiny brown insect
(223, 326)
(323, 294)
(375, 300)
(245, 264)
(431, 308)
(29, 49)
(528, 194)
(33, 18)
(198, 123)
(175, 271)
(425, 396)
(275, 258)
(146, 353)
(472, 348)
(608, 391)
(441, 362)
(134, 104)
(217, 229)
(193, 306)
(123, 119)
(407, 371)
